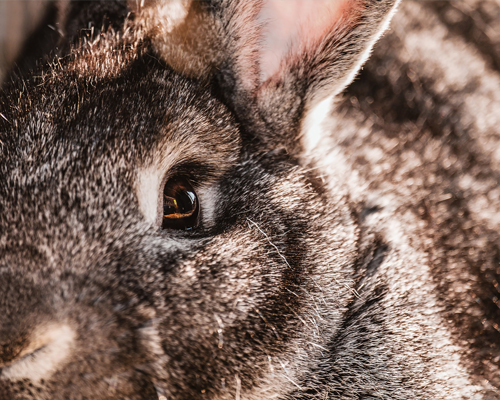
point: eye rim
(185, 222)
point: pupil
(180, 205)
(186, 202)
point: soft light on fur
(347, 245)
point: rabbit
(188, 213)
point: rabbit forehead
(147, 119)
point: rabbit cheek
(238, 297)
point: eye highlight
(180, 205)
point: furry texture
(350, 257)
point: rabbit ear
(328, 41)
(201, 38)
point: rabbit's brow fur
(348, 246)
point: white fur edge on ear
(366, 53)
(311, 130)
(318, 109)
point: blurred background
(17, 20)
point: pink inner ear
(293, 24)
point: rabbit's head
(160, 234)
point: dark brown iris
(180, 205)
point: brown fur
(348, 246)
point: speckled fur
(360, 264)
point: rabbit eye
(180, 205)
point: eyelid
(197, 172)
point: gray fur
(358, 263)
